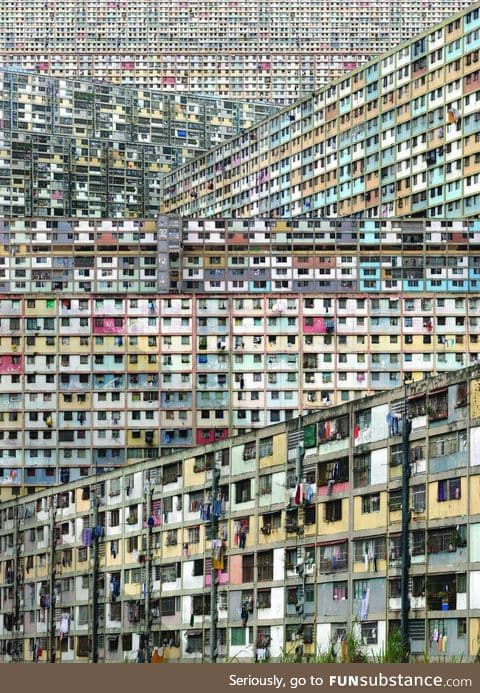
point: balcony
(333, 558)
(446, 592)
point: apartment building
(399, 137)
(122, 340)
(253, 49)
(308, 542)
(73, 147)
(169, 254)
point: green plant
(327, 657)
(285, 658)
(452, 659)
(321, 657)
(354, 648)
(129, 659)
(477, 656)
(392, 651)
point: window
(375, 546)
(394, 588)
(271, 521)
(171, 538)
(449, 489)
(249, 451)
(238, 636)
(417, 542)
(201, 604)
(333, 557)
(265, 566)
(198, 567)
(127, 643)
(369, 633)
(83, 646)
(132, 517)
(169, 573)
(132, 544)
(114, 518)
(396, 454)
(264, 599)
(265, 484)
(437, 408)
(371, 503)
(416, 407)
(447, 539)
(266, 447)
(310, 514)
(247, 567)
(335, 429)
(336, 472)
(417, 496)
(243, 491)
(448, 444)
(333, 511)
(395, 499)
(196, 499)
(193, 535)
(340, 590)
(133, 576)
(361, 470)
(194, 641)
(171, 472)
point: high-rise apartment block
(399, 137)
(123, 340)
(85, 149)
(153, 368)
(249, 49)
(308, 546)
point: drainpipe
(405, 552)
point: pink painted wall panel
(236, 570)
(222, 579)
(210, 435)
(314, 326)
(337, 488)
(11, 364)
(106, 237)
(109, 326)
(205, 436)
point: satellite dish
(280, 307)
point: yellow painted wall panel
(372, 520)
(449, 508)
(360, 567)
(475, 493)
(132, 590)
(193, 478)
(474, 637)
(81, 506)
(279, 452)
(250, 539)
(174, 551)
(475, 398)
(329, 528)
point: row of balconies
(248, 310)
